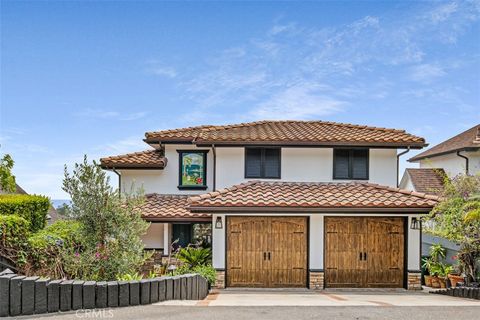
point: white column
(413, 246)
(166, 238)
(316, 242)
(218, 242)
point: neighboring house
(460, 154)
(292, 203)
(457, 155)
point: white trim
(166, 238)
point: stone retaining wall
(20, 295)
(462, 292)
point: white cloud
(298, 102)
(426, 72)
(109, 114)
(155, 67)
(443, 12)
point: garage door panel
(268, 251)
(364, 252)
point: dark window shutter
(341, 164)
(272, 163)
(360, 164)
(253, 165)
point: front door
(364, 252)
(266, 252)
(182, 234)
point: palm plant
(194, 257)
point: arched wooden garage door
(364, 252)
(266, 252)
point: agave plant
(194, 257)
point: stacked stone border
(20, 295)
(462, 292)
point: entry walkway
(329, 298)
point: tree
(111, 225)
(456, 218)
(7, 179)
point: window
(350, 164)
(192, 169)
(262, 163)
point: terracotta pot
(428, 281)
(443, 282)
(454, 279)
(436, 282)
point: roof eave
(314, 144)
(178, 219)
(132, 167)
(438, 154)
(263, 209)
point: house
(457, 155)
(291, 203)
(460, 154)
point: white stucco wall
(305, 165)
(453, 164)
(297, 164)
(154, 238)
(406, 182)
(316, 236)
(165, 181)
(218, 243)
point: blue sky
(91, 77)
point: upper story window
(351, 164)
(262, 162)
(192, 169)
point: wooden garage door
(266, 252)
(364, 252)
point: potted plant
(434, 267)
(427, 265)
(456, 275)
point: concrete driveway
(296, 304)
(327, 298)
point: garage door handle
(360, 256)
(269, 256)
(264, 256)
(364, 256)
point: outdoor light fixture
(218, 223)
(415, 224)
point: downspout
(466, 161)
(214, 167)
(398, 163)
(119, 181)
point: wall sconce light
(415, 224)
(218, 223)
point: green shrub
(194, 256)
(32, 208)
(207, 271)
(14, 231)
(50, 249)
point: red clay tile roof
(427, 180)
(169, 208)
(143, 159)
(309, 195)
(289, 132)
(467, 140)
